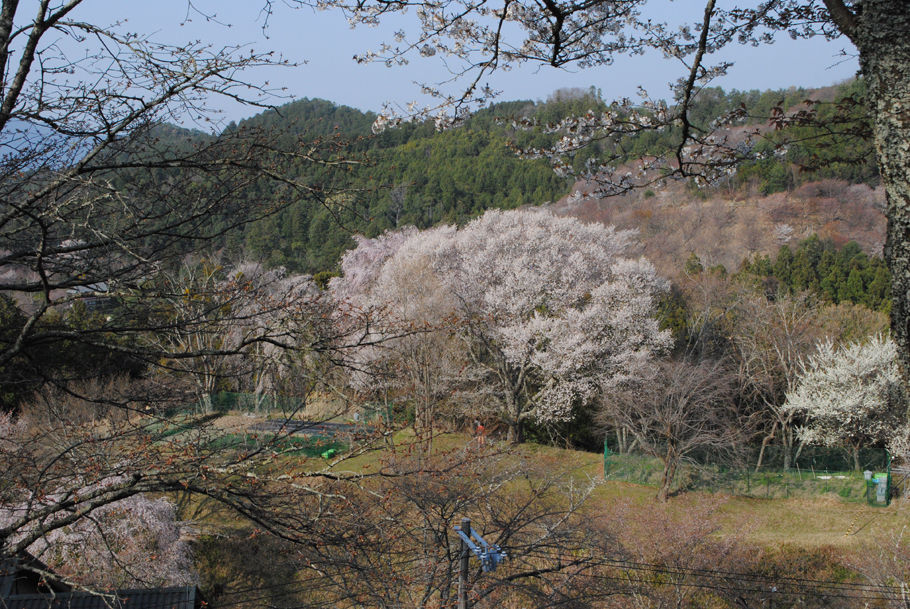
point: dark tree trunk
(787, 437)
(671, 462)
(515, 435)
(881, 35)
(764, 445)
(515, 408)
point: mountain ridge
(415, 175)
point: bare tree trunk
(671, 462)
(205, 402)
(624, 444)
(261, 390)
(515, 434)
(764, 444)
(787, 437)
(881, 36)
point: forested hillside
(838, 275)
(416, 175)
(413, 175)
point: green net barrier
(309, 446)
(817, 471)
(226, 401)
(250, 402)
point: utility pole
(490, 556)
(463, 602)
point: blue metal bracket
(490, 554)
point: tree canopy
(850, 396)
(101, 203)
(479, 38)
(550, 310)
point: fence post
(606, 456)
(888, 489)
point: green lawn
(818, 512)
(298, 446)
(849, 485)
(815, 529)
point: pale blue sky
(327, 44)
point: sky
(323, 45)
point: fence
(225, 401)
(252, 402)
(309, 446)
(901, 480)
(816, 471)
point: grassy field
(819, 511)
(814, 534)
(765, 484)
(816, 514)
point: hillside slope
(414, 175)
(724, 227)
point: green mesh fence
(226, 401)
(815, 471)
(309, 446)
(251, 402)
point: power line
(648, 574)
(708, 579)
(818, 587)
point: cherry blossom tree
(413, 351)
(133, 542)
(475, 39)
(554, 311)
(98, 194)
(550, 310)
(362, 264)
(850, 395)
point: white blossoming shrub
(899, 445)
(850, 396)
(361, 264)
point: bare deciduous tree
(682, 407)
(772, 338)
(394, 544)
(98, 198)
